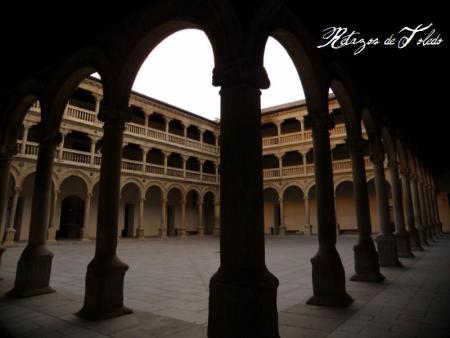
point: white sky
(179, 71)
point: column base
(182, 232)
(216, 231)
(282, 231)
(33, 272)
(139, 233)
(430, 234)
(423, 236)
(367, 268)
(403, 245)
(243, 305)
(162, 232)
(200, 231)
(51, 234)
(9, 237)
(308, 230)
(83, 235)
(328, 280)
(387, 251)
(415, 240)
(104, 289)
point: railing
(80, 114)
(175, 172)
(193, 175)
(154, 169)
(130, 165)
(293, 171)
(76, 156)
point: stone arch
(158, 21)
(80, 174)
(284, 26)
(294, 208)
(177, 186)
(16, 174)
(208, 190)
(130, 195)
(292, 184)
(190, 188)
(342, 180)
(155, 184)
(68, 75)
(152, 222)
(372, 125)
(132, 180)
(388, 142)
(401, 153)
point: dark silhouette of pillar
(106, 272)
(328, 273)
(243, 293)
(367, 267)
(418, 219)
(386, 242)
(35, 263)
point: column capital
(163, 199)
(185, 157)
(280, 200)
(166, 153)
(114, 115)
(240, 71)
(279, 155)
(321, 123)
(28, 124)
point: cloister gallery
(88, 159)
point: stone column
(87, 213)
(92, 153)
(26, 129)
(185, 126)
(216, 230)
(106, 272)
(51, 232)
(201, 229)
(408, 207)
(202, 162)
(328, 273)
(140, 228)
(61, 145)
(34, 266)
(302, 127)
(216, 171)
(304, 161)
(308, 227)
(5, 166)
(280, 164)
(366, 258)
(428, 211)
(146, 115)
(423, 209)
(243, 293)
(10, 231)
(282, 227)
(98, 99)
(145, 151)
(166, 155)
(386, 242)
(403, 245)
(418, 218)
(278, 124)
(163, 228)
(183, 217)
(167, 122)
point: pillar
(140, 228)
(166, 155)
(51, 232)
(61, 145)
(26, 129)
(366, 258)
(92, 152)
(106, 272)
(145, 151)
(386, 242)
(202, 162)
(163, 228)
(328, 273)
(408, 207)
(418, 218)
(184, 158)
(183, 217)
(308, 226)
(282, 227)
(5, 165)
(34, 266)
(423, 210)
(87, 213)
(200, 227)
(403, 245)
(10, 231)
(243, 293)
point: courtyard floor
(167, 288)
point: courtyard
(167, 283)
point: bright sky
(179, 71)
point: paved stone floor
(167, 287)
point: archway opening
(71, 222)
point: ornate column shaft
(23, 146)
(423, 210)
(328, 273)
(408, 208)
(163, 228)
(282, 228)
(106, 272)
(418, 218)
(34, 266)
(242, 299)
(386, 242)
(307, 226)
(10, 231)
(183, 218)
(367, 267)
(403, 245)
(54, 220)
(86, 217)
(201, 229)
(140, 229)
